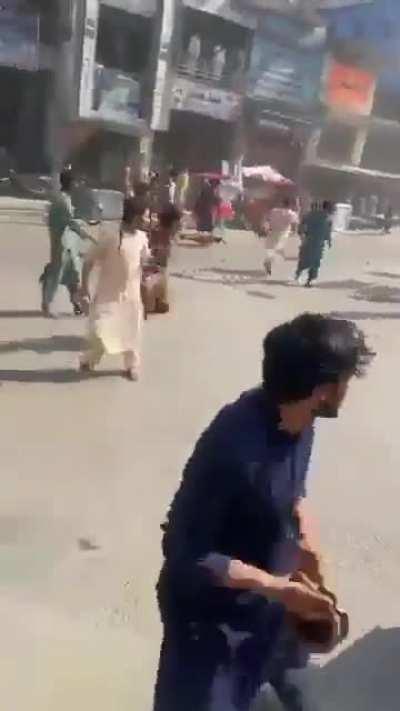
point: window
(124, 40)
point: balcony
(218, 70)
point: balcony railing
(205, 70)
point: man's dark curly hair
(309, 351)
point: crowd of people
(241, 592)
(132, 257)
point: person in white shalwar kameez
(116, 311)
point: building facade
(309, 87)
(353, 155)
(26, 74)
(211, 44)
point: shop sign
(227, 9)
(19, 38)
(201, 99)
(116, 96)
(134, 7)
(348, 88)
(284, 74)
(105, 94)
(333, 4)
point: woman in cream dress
(116, 311)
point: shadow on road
(43, 345)
(342, 285)
(385, 275)
(378, 294)
(364, 677)
(21, 314)
(53, 376)
(260, 295)
(366, 315)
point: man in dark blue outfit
(237, 530)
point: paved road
(89, 467)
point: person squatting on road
(65, 246)
(238, 528)
(281, 222)
(315, 231)
(116, 310)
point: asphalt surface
(88, 469)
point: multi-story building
(282, 94)
(78, 76)
(113, 48)
(28, 31)
(354, 154)
(211, 43)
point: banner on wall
(284, 74)
(135, 7)
(19, 38)
(225, 9)
(105, 94)
(348, 88)
(201, 99)
(333, 4)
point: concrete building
(29, 33)
(354, 154)
(283, 87)
(114, 50)
(206, 78)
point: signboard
(201, 99)
(333, 4)
(284, 74)
(105, 94)
(116, 96)
(19, 38)
(227, 9)
(349, 88)
(147, 8)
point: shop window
(124, 40)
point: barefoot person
(238, 530)
(116, 312)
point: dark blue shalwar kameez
(237, 498)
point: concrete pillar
(358, 146)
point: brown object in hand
(321, 636)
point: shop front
(202, 126)
(23, 89)
(283, 93)
(113, 96)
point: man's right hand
(304, 602)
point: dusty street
(88, 469)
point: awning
(267, 174)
